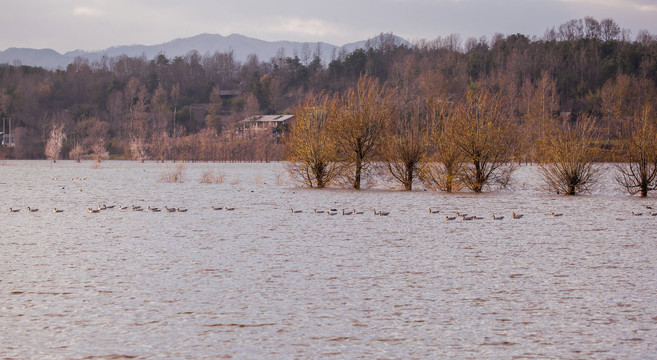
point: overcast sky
(65, 25)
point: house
(258, 123)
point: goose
(216, 208)
(334, 210)
(32, 210)
(155, 210)
(475, 217)
(357, 212)
(449, 218)
(556, 214)
(383, 213)
(152, 208)
(497, 217)
(137, 208)
(55, 210)
(649, 207)
(14, 210)
(347, 212)
(331, 213)
(296, 211)
(467, 218)
(636, 214)
(318, 211)
(102, 207)
(181, 210)
(517, 216)
(432, 211)
(229, 209)
(169, 209)
(123, 207)
(459, 214)
(108, 206)
(93, 211)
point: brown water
(262, 282)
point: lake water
(261, 282)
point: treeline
(475, 142)
(165, 108)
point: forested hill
(594, 65)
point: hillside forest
(189, 108)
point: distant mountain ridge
(242, 46)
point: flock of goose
(133, 207)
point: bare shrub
(138, 148)
(209, 177)
(173, 174)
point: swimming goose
(93, 211)
(55, 210)
(636, 214)
(382, 213)
(169, 209)
(229, 209)
(123, 207)
(137, 208)
(318, 211)
(32, 210)
(432, 211)
(155, 210)
(347, 212)
(216, 208)
(357, 212)
(331, 213)
(467, 218)
(556, 214)
(14, 210)
(152, 208)
(449, 218)
(497, 217)
(296, 211)
(181, 210)
(108, 206)
(517, 216)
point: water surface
(263, 282)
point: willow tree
(405, 143)
(568, 153)
(444, 164)
(484, 138)
(639, 174)
(360, 119)
(311, 153)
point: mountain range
(241, 46)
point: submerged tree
(568, 151)
(55, 142)
(404, 145)
(138, 148)
(639, 174)
(484, 138)
(359, 123)
(311, 152)
(444, 165)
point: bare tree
(55, 142)
(639, 174)
(405, 144)
(484, 139)
(138, 148)
(311, 152)
(76, 152)
(443, 168)
(360, 119)
(568, 151)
